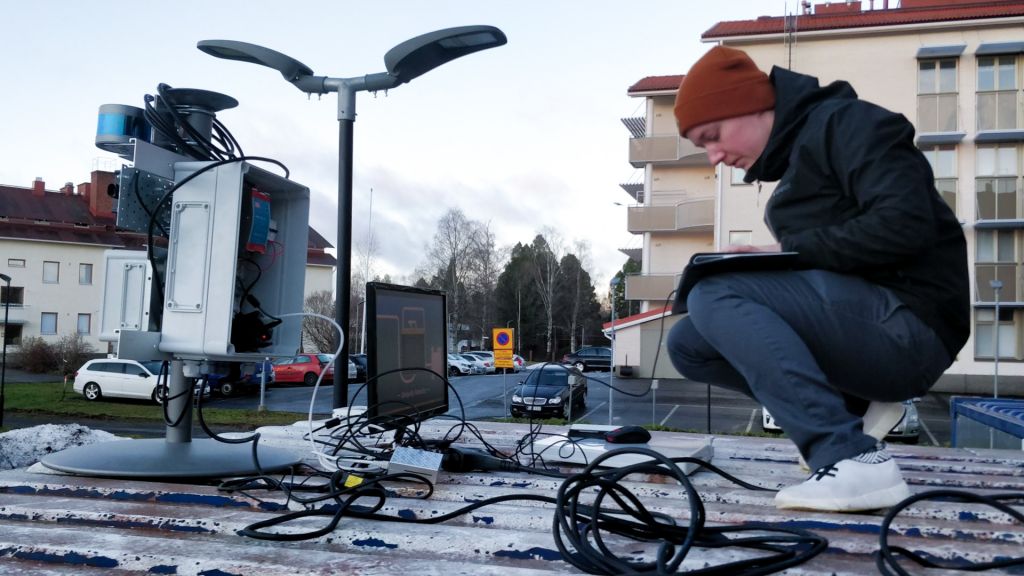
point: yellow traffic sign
(502, 338)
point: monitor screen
(405, 329)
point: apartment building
(52, 244)
(955, 68)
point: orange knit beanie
(724, 83)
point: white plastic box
(208, 266)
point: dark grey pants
(811, 346)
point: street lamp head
(5, 278)
(419, 55)
(289, 67)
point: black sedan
(360, 361)
(546, 392)
(590, 358)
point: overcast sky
(522, 136)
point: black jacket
(856, 196)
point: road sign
(502, 338)
(503, 359)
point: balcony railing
(667, 150)
(656, 287)
(1008, 274)
(696, 215)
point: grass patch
(53, 398)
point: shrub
(71, 352)
(37, 356)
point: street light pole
(3, 368)
(403, 63)
(611, 368)
(996, 285)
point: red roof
(650, 314)
(656, 83)
(920, 12)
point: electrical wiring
(579, 532)
(887, 557)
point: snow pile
(26, 446)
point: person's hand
(751, 248)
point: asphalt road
(677, 404)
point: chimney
(83, 190)
(68, 189)
(38, 187)
(100, 203)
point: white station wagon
(116, 378)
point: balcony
(984, 273)
(669, 150)
(697, 215)
(656, 287)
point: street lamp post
(3, 368)
(611, 368)
(403, 63)
(996, 285)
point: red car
(304, 368)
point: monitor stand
(177, 455)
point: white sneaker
(868, 481)
(879, 420)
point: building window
(737, 176)
(51, 272)
(12, 335)
(943, 161)
(48, 323)
(997, 93)
(85, 273)
(997, 183)
(740, 237)
(15, 262)
(936, 95)
(985, 333)
(84, 323)
(15, 295)
(995, 259)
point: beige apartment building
(955, 68)
(52, 245)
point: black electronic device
(628, 435)
(703, 264)
(406, 356)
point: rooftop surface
(55, 524)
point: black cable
(886, 558)
(574, 526)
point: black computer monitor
(405, 329)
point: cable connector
(465, 459)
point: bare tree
(316, 332)
(547, 248)
(450, 256)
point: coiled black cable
(887, 557)
(579, 533)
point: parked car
(477, 364)
(908, 429)
(551, 391)
(590, 358)
(486, 357)
(458, 366)
(304, 368)
(122, 378)
(360, 361)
